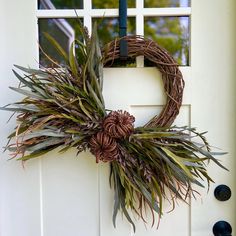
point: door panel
(140, 91)
(68, 195)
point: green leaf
(19, 131)
(13, 109)
(178, 160)
(80, 52)
(207, 154)
(72, 118)
(147, 195)
(32, 71)
(96, 99)
(21, 79)
(40, 91)
(35, 154)
(56, 45)
(27, 93)
(40, 133)
(120, 197)
(128, 216)
(72, 60)
(26, 107)
(86, 112)
(158, 189)
(116, 206)
(45, 144)
(97, 59)
(153, 135)
(177, 171)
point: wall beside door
(19, 188)
(214, 107)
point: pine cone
(119, 124)
(104, 147)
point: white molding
(88, 12)
(86, 15)
(140, 28)
(140, 18)
(59, 13)
(174, 11)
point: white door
(62, 195)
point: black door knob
(222, 192)
(222, 228)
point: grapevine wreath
(64, 107)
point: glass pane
(108, 29)
(60, 4)
(103, 4)
(63, 30)
(167, 3)
(172, 33)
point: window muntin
(106, 4)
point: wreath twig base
(164, 62)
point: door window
(167, 22)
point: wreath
(64, 108)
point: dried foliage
(103, 147)
(119, 124)
(64, 107)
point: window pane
(60, 4)
(172, 33)
(167, 3)
(66, 30)
(63, 30)
(108, 28)
(103, 4)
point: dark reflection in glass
(63, 30)
(167, 3)
(103, 4)
(108, 30)
(60, 4)
(66, 30)
(172, 33)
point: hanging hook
(123, 29)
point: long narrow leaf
(72, 61)
(27, 93)
(32, 71)
(56, 45)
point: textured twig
(171, 75)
